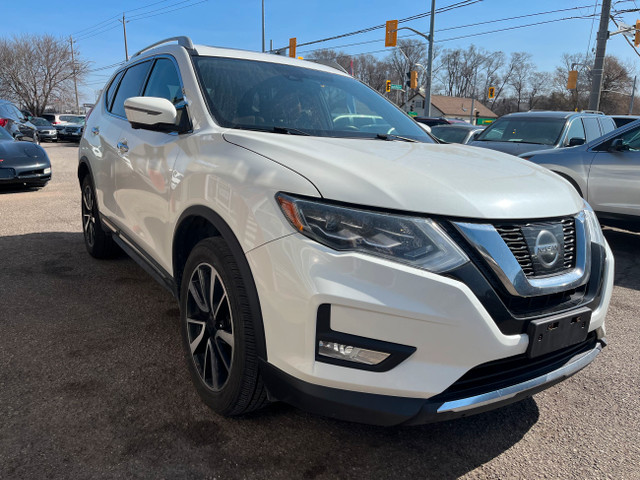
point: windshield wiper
(274, 129)
(391, 137)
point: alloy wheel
(88, 216)
(210, 327)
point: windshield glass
(538, 130)
(254, 95)
(449, 133)
(39, 122)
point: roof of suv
(208, 51)
(551, 114)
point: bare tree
(405, 56)
(520, 72)
(539, 86)
(36, 68)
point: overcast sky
(237, 24)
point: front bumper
(33, 174)
(450, 329)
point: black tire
(99, 243)
(223, 362)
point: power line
(463, 3)
(480, 23)
(169, 11)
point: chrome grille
(515, 240)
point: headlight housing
(419, 242)
(593, 225)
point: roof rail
(592, 111)
(182, 41)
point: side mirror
(575, 141)
(618, 146)
(151, 113)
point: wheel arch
(197, 223)
(84, 169)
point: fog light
(47, 170)
(350, 353)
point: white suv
(326, 252)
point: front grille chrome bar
(490, 245)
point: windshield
(39, 122)
(538, 130)
(449, 133)
(254, 95)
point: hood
(453, 180)
(511, 147)
(17, 154)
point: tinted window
(130, 86)
(593, 128)
(49, 117)
(112, 90)
(40, 122)
(449, 133)
(631, 139)
(607, 125)
(164, 82)
(576, 130)
(521, 129)
(257, 95)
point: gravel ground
(93, 383)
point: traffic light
(391, 33)
(572, 82)
(387, 87)
(292, 47)
(492, 92)
(414, 80)
(636, 39)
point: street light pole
(427, 87)
(601, 46)
(262, 26)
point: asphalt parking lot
(93, 382)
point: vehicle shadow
(7, 189)
(92, 370)
(625, 246)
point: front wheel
(99, 244)
(217, 331)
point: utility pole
(427, 87)
(262, 26)
(124, 29)
(633, 94)
(601, 46)
(75, 78)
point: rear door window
(130, 86)
(607, 125)
(592, 127)
(111, 91)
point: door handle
(95, 130)
(123, 147)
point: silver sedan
(605, 171)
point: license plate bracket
(553, 333)
(6, 173)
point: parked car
(22, 164)
(367, 274)
(46, 131)
(71, 131)
(432, 121)
(606, 172)
(622, 120)
(456, 133)
(523, 132)
(13, 121)
(59, 120)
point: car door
(143, 187)
(614, 177)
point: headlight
(593, 225)
(419, 242)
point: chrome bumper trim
(502, 394)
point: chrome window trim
(490, 245)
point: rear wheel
(217, 331)
(99, 244)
